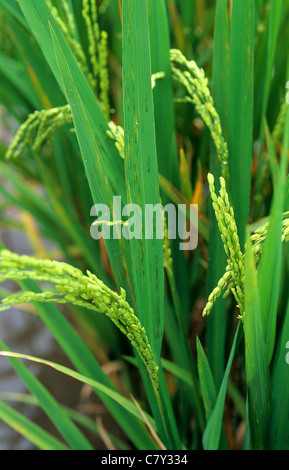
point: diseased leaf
(141, 169)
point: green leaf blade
(257, 371)
(65, 426)
(269, 274)
(240, 135)
(141, 170)
(29, 430)
(212, 433)
(278, 433)
(216, 325)
(207, 384)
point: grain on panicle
(233, 279)
(259, 236)
(40, 126)
(98, 55)
(116, 133)
(84, 290)
(38, 129)
(222, 284)
(103, 74)
(67, 27)
(234, 275)
(96, 69)
(92, 42)
(188, 74)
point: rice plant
(170, 104)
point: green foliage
(154, 101)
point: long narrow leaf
(278, 435)
(124, 402)
(216, 326)
(141, 175)
(29, 430)
(269, 273)
(257, 371)
(163, 92)
(240, 136)
(276, 8)
(141, 170)
(212, 434)
(59, 418)
(207, 384)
